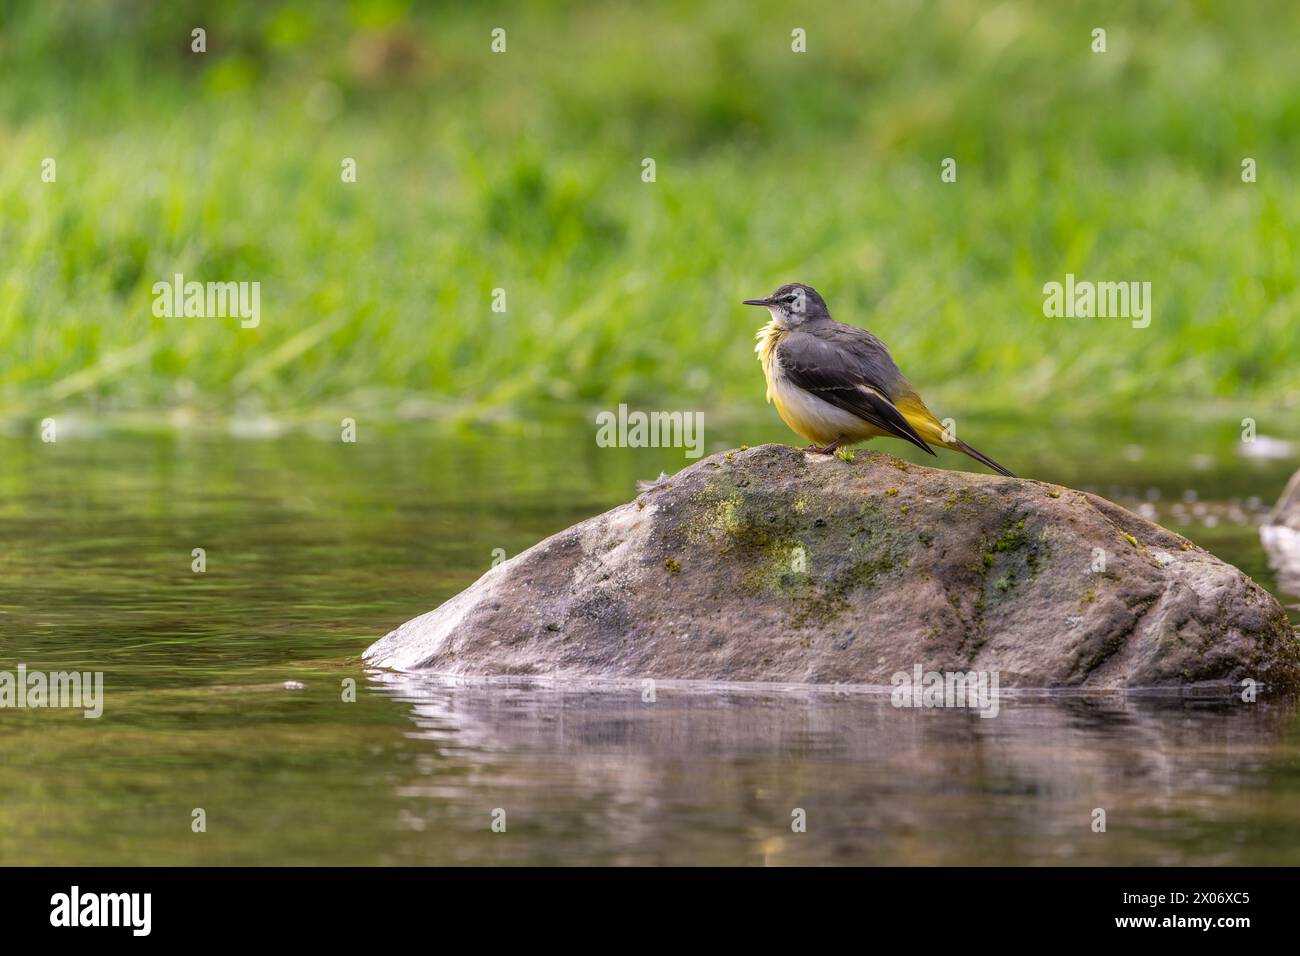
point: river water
(239, 725)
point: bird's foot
(825, 449)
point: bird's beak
(757, 302)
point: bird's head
(793, 304)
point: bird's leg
(826, 449)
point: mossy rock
(769, 564)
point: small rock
(1280, 534)
(1266, 447)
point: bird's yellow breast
(769, 337)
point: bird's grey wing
(878, 365)
(851, 376)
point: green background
(522, 171)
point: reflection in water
(593, 773)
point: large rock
(769, 564)
(1281, 536)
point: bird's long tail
(981, 458)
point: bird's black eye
(790, 298)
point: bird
(836, 384)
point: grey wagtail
(837, 384)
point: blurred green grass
(523, 171)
